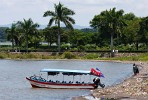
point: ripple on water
(14, 86)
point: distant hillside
(44, 26)
(75, 26)
(88, 30)
(7, 25)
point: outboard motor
(97, 82)
(102, 85)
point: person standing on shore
(135, 69)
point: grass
(71, 55)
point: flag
(95, 72)
(101, 74)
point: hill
(44, 26)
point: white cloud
(14, 10)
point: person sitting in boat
(97, 82)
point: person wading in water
(135, 69)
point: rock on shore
(135, 87)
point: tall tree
(115, 23)
(111, 22)
(130, 34)
(50, 34)
(28, 27)
(61, 14)
(143, 31)
(12, 34)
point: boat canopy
(71, 72)
(65, 71)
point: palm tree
(61, 14)
(114, 23)
(28, 27)
(109, 21)
(11, 34)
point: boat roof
(65, 70)
(95, 72)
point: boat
(40, 82)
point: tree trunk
(136, 45)
(112, 51)
(27, 42)
(12, 41)
(59, 37)
(147, 47)
(50, 41)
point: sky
(12, 11)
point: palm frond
(68, 24)
(51, 21)
(49, 13)
(67, 11)
(70, 19)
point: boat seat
(49, 81)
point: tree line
(111, 29)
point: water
(14, 86)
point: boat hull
(52, 85)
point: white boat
(40, 82)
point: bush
(74, 49)
(81, 48)
(135, 58)
(91, 56)
(4, 55)
(65, 46)
(69, 55)
(90, 47)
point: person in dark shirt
(135, 69)
(97, 82)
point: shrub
(65, 46)
(135, 58)
(91, 56)
(81, 48)
(2, 57)
(90, 47)
(69, 55)
(74, 49)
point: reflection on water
(13, 84)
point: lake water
(14, 86)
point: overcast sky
(15, 10)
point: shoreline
(135, 87)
